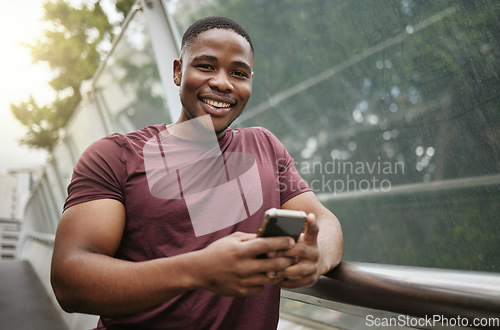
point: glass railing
(129, 89)
(390, 112)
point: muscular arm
(87, 278)
(321, 249)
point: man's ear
(177, 71)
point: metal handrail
(45, 238)
(358, 288)
(364, 289)
(378, 290)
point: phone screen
(283, 225)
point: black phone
(279, 222)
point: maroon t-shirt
(257, 173)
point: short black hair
(209, 23)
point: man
(158, 231)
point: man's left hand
(306, 269)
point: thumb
(243, 236)
(312, 229)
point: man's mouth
(216, 103)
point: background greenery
(345, 82)
(385, 82)
(72, 46)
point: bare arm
(320, 249)
(87, 278)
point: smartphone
(278, 222)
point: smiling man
(158, 230)
(215, 76)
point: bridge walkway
(24, 303)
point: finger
(302, 251)
(274, 267)
(243, 236)
(301, 269)
(312, 229)
(276, 276)
(264, 245)
(262, 279)
(290, 283)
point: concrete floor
(24, 303)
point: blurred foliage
(129, 87)
(352, 82)
(382, 83)
(71, 46)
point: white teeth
(217, 104)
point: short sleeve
(99, 173)
(291, 183)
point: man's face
(215, 77)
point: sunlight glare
(20, 24)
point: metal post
(165, 40)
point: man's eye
(240, 74)
(205, 66)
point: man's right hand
(231, 266)
(88, 279)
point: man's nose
(221, 82)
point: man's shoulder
(115, 142)
(255, 131)
(257, 137)
(144, 134)
(138, 137)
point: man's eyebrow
(211, 58)
(205, 58)
(243, 65)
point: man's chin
(214, 127)
(220, 133)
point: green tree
(413, 82)
(71, 47)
